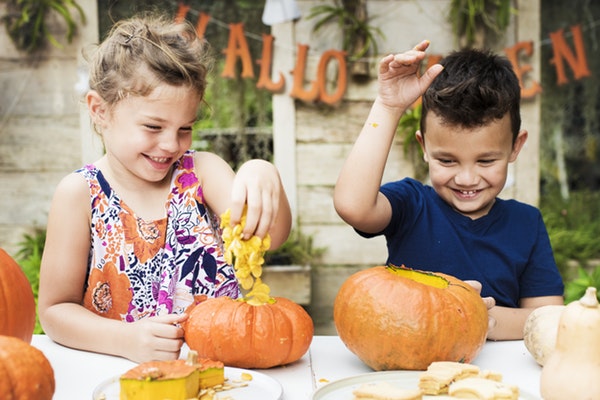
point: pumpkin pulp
(426, 278)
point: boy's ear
(518, 145)
(421, 141)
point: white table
(77, 373)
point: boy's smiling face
(468, 166)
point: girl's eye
(153, 127)
(445, 161)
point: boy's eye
(486, 161)
(152, 127)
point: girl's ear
(97, 108)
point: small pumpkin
(539, 331)
(25, 371)
(17, 303)
(399, 318)
(572, 370)
(256, 331)
(249, 336)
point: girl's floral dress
(141, 268)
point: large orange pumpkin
(25, 372)
(397, 318)
(249, 336)
(17, 304)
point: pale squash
(572, 371)
(539, 332)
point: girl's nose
(169, 142)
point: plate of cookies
(442, 380)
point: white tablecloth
(77, 373)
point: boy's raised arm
(356, 196)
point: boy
(469, 133)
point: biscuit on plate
(483, 389)
(440, 374)
(385, 391)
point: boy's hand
(399, 81)
(489, 302)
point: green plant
(298, 249)
(29, 257)
(355, 29)
(468, 17)
(575, 288)
(26, 22)
(408, 125)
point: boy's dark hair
(475, 88)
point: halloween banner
(566, 57)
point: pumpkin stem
(192, 358)
(590, 298)
(424, 277)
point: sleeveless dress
(139, 268)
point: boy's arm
(511, 321)
(356, 196)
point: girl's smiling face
(468, 166)
(145, 135)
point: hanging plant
(359, 36)
(470, 18)
(26, 24)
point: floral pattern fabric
(141, 268)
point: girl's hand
(257, 185)
(155, 338)
(399, 81)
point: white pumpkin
(572, 372)
(539, 332)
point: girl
(133, 239)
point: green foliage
(351, 26)
(575, 288)
(26, 22)
(29, 257)
(468, 17)
(298, 249)
(408, 125)
(573, 226)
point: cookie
(440, 374)
(483, 389)
(385, 391)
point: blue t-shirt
(508, 250)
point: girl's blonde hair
(172, 53)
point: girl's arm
(62, 278)
(257, 186)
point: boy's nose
(466, 176)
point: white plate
(260, 387)
(342, 389)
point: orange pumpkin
(25, 371)
(399, 318)
(249, 336)
(17, 304)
